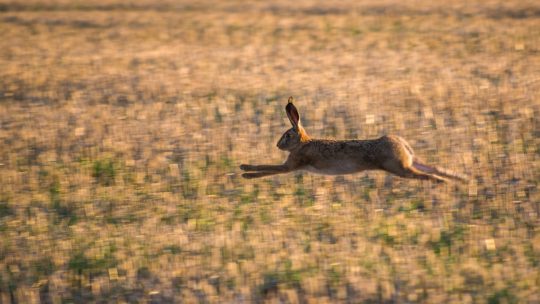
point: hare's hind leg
(413, 173)
(433, 170)
(400, 169)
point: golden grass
(122, 125)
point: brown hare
(390, 153)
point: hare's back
(350, 156)
(340, 157)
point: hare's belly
(335, 168)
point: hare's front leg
(258, 174)
(273, 168)
(264, 170)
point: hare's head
(295, 135)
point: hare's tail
(439, 171)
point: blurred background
(123, 123)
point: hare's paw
(246, 167)
(250, 175)
(438, 179)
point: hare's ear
(292, 113)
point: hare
(333, 157)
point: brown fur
(389, 153)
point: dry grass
(122, 125)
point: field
(123, 123)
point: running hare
(390, 153)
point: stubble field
(122, 126)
